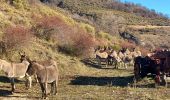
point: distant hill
(115, 17)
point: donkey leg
(116, 65)
(42, 89)
(45, 90)
(12, 84)
(26, 82)
(36, 79)
(164, 80)
(52, 88)
(30, 81)
(55, 87)
(125, 65)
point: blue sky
(162, 6)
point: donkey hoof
(45, 98)
(12, 91)
(55, 93)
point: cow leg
(164, 80)
(157, 80)
(134, 82)
(12, 84)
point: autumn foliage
(72, 40)
(16, 36)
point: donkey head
(22, 56)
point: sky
(162, 6)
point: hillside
(115, 17)
(42, 32)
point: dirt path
(146, 26)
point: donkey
(45, 75)
(48, 62)
(45, 72)
(114, 58)
(14, 70)
(101, 56)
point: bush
(128, 44)
(79, 43)
(72, 40)
(104, 35)
(16, 36)
(46, 27)
(88, 28)
(83, 44)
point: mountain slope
(115, 17)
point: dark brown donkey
(45, 74)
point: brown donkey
(45, 75)
(46, 72)
(14, 70)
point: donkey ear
(20, 53)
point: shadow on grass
(5, 92)
(109, 81)
(102, 81)
(4, 79)
(8, 94)
(4, 89)
(93, 63)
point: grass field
(95, 84)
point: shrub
(104, 35)
(16, 36)
(72, 40)
(88, 28)
(116, 47)
(83, 43)
(46, 27)
(79, 43)
(128, 44)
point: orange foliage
(83, 43)
(16, 36)
(48, 26)
(72, 40)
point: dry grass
(92, 83)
